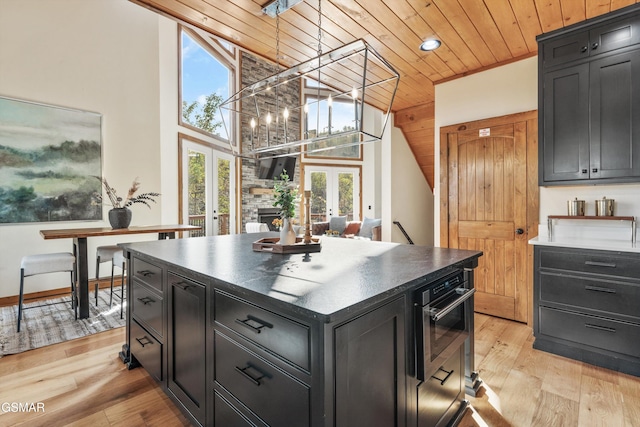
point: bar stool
(105, 254)
(47, 263)
(119, 261)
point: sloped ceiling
(475, 34)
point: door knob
(519, 231)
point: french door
(208, 188)
(335, 191)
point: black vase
(120, 218)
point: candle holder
(307, 217)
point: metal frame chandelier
(274, 124)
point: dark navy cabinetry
(146, 315)
(586, 306)
(240, 338)
(589, 101)
(187, 347)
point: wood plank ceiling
(476, 35)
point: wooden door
(489, 195)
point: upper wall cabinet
(583, 43)
(589, 101)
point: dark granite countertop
(345, 275)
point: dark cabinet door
(589, 43)
(615, 116)
(615, 35)
(186, 359)
(565, 49)
(370, 389)
(565, 141)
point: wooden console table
(80, 236)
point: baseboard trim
(105, 282)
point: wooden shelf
(610, 218)
(260, 190)
(631, 219)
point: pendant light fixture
(330, 114)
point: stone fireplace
(257, 193)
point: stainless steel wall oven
(443, 313)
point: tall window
(340, 117)
(206, 80)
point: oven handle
(465, 294)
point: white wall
(93, 55)
(512, 89)
(406, 195)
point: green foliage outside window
(345, 194)
(224, 186)
(318, 193)
(203, 116)
(196, 190)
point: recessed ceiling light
(431, 44)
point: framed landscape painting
(49, 157)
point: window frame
(183, 141)
(228, 59)
(334, 168)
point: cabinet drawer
(277, 334)
(228, 416)
(604, 295)
(147, 273)
(598, 332)
(272, 395)
(146, 306)
(440, 395)
(146, 350)
(595, 262)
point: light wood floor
(527, 387)
(84, 383)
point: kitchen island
(240, 338)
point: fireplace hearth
(267, 215)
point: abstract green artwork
(48, 159)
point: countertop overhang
(585, 243)
(345, 274)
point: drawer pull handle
(145, 273)
(442, 381)
(597, 289)
(255, 320)
(182, 285)
(245, 374)
(144, 341)
(600, 264)
(146, 300)
(600, 328)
